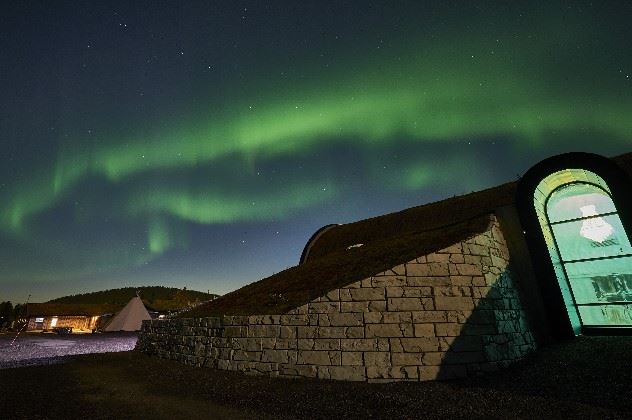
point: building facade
(450, 289)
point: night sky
(201, 144)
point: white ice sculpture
(595, 228)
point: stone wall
(448, 314)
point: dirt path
(584, 378)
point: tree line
(10, 314)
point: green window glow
(589, 248)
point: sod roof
(70, 309)
(387, 240)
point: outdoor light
(595, 228)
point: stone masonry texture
(448, 314)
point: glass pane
(613, 266)
(602, 281)
(578, 200)
(606, 314)
(603, 289)
(601, 236)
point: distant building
(81, 317)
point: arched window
(589, 248)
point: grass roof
(298, 285)
(387, 240)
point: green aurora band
(472, 91)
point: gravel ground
(44, 349)
(584, 378)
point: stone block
(373, 317)
(399, 270)
(235, 331)
(388, 281)
(354, 332)
(374, 358)
(307, 332)
(464, 357)
(405, 304)
(374, 293)
(407, 359)
(394, 291)
(469, 269)
(235, 320)
(480, 329)
(381, 372)
(397, 317)
(479, 249)
(399, 372)
(362, 344)
(323, 307)
(429, 316)
(333, 295)
(287, 331)
(424, 330)
(252, 356)
(285, 344)
(430, 269)
(331, 332)
(275, 356)
(345, 319)
(428, 281)
(461, 343)
(435, 257)
(347, 373)
(354, 306)
(326, 344)
(309, 357)
(305, 344)
(247, 344)
(377, 306)
(351, 358)
(452, 249)
(383, 330)
(419, 344)
(429, 373)
(454, 303)
(263, 331)
(323, 320)
(449, 329)
(473, 259)
(459, 317)
(345, 294)
(307, 371)
(432, 358)
(447, 291)
(294, 320)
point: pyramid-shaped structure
(130, 318)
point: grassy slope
(291, 288)
(588, 377)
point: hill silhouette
(156, 298)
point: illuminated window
(589, 248)
(53, 322)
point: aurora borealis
(202, 144)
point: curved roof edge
(312, 240)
